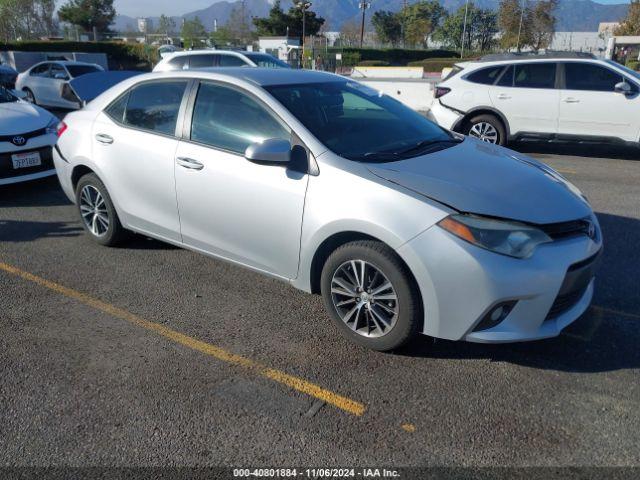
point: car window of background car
(584, 76)
(266, 61)
(506, 79)
(178, 62)
(225, 118)
(485, 76)
(40, 70)
(353, 120)
(78, 70)
(535, 75)
(201, 61)
(154, 106)
(6, 97)
(231, 61)
(58, 70)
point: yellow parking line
(343, 403)
(615, 312)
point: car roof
(256, 75)
(517, 60)
(208, 51)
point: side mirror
(623, 87)
(270, 151)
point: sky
(153, 8)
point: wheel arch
(483, 110)
(78, 172)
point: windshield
(78, 70)
(6, 97)
(360, 123)
(633, 73)
(267, 61)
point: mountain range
(572, 15)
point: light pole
(304, 6)
(464, 28)
(363, 5)
(522, 7)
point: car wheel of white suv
(99, 217)
(370, 294)
(487, 128)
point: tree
(166, 25)
(193, 32)
(509, 15)
(88, 14)
(223, 36)
(237, 25)
(388, 26)
(350, 34)
(26, 19)
(482, 26)
(280, 23)
(540, 24)
(420, 20)
(631, 24)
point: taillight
(61, 128)
(441, 91)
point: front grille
(573, 228)
(564, 303)
(26, 136)
(6, 165)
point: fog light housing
(495, 315)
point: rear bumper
(443, 116)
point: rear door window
(232, 61)
(153, 106)
(40, 70)
(202, 61)
(535, 75)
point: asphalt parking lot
(149, 355)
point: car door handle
(571, 100)
(189, 163)
(105, 139)
(504, 96)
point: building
(286, 49)
(591, 42)
(144, 25)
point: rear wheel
(371, 295)
(487, 128)
(98, 215)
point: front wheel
(487, 128)
(371, 295)
(29, 96)
(98, 215)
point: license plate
(25, 160)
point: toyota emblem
(18, 141)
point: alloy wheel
(364, 298)
(484, 131)
(29, 97)
(94, 211)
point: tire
(364, 326)
(31, 98)
(487, 128)
(110, 234)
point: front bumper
(41, 144)
(460, 283)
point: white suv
(191, 59)
(560, 96)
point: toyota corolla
(314, 179)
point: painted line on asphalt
(616, 312)
(343, 403)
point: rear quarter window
(485, 76)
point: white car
(46, 83)
(190, 59)
(27, 133)
(571, 96)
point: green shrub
(633, 65)
(373, 63)
(120, 55)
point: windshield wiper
(423, 144)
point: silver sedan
(322, 182)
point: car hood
(89, 86)
(22, 117)
(476, 177)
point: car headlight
(500, 236)
(52, 126)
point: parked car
(27, 133)
(46, 83)
(327, 184)
(560, 96)
(190, 59)
(7, 76)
